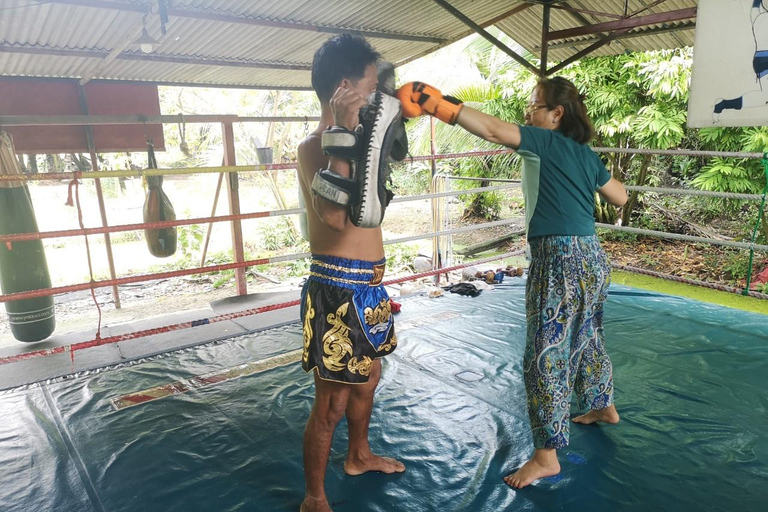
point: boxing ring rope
(751, 246)
(686, 238)
(57, 176)
(685, 280)
(222, 218)
(98, 341)
(512, 184)
(218, 268)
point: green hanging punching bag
(22, 264)
(157, 207)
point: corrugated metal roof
(247, 43)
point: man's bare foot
(607, 415)
(311, 504)
(543, 463)
(358, 466)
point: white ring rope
(680, 152)
(689, 192)
(687, 238)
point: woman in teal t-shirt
(569, 272)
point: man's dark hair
(342, 56)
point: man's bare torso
(352, 242)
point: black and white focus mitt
(378, 141)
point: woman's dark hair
(575, 122)
(340, 57)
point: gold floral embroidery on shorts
(307, 331)
(336, 342)
(363, 367)
(377, 319)
(386, 347)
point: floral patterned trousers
(567, 286)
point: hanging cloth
(23, 266)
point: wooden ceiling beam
(627, 23)
(630, 35)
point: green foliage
(190, 241)
(110, 188)
(412, 179)
(604, 212)
(400, 255)
(736, 265)
(126, 237)
(610, 235)
(729, 175)
(277, 235)
(298, 268)
(658, 126)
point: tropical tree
(491, 70)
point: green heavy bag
(22, 264)
(157, 207)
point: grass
(656, 284)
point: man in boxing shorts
(346, 316)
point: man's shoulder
(310, 145)
(309, 152)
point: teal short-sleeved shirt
(560, 177)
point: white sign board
(729, 82)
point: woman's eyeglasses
(533, 107)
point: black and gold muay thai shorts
(347, 319)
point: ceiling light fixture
(145, 41)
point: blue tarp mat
(690, 386)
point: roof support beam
(566, 7)
(193, 61)
(586, 51)
(493, 21)
(107, 120)
(170, 84)
(247, 20)
(480, 30)
(582, 20)
(208, 84)
(628, 23)
(544, 39)
(649, 6)
(505, 15)
(97, 68)
(647, 32)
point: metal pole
(544, 40)
(480, 30)
(436, 253)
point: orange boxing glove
(419, 98)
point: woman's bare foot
(607, 415)
(543, 463)
(360, 465)
(311, 504)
